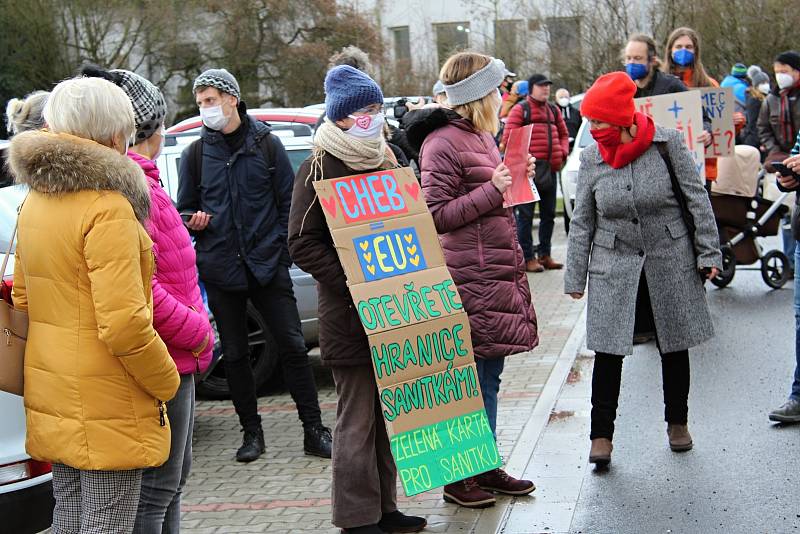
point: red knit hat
(610, 99)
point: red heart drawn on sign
(329, 205)
(364, 121)
(413, 190)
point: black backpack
(267, 144)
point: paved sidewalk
(286, 491)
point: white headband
(477, 85)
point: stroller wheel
(775, 269)
(725, 276)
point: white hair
(91, 108)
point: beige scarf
(358, 154)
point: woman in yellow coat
(96, 374)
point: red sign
(522, 190)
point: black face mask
(508, 86)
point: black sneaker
(252, 446)
(318, 441)
(366, 529)
(397, 521)
(788, 413)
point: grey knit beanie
(219, 78)
(759, 78)
(478, 85)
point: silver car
(263, 348)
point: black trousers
(277, 305)
(607, 377)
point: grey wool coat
(627, 221)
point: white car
(569, 173)
(26, 486)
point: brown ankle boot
(550, 264)
(600, 453)
(468, 494)
(533, 266)
(501, 482)
(679, 438)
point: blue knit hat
(739, 70)
(348, 90)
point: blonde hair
(482, 112)
(91, 108)
(700, 77)
(26, 114)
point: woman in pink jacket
(179, 316)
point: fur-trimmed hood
(57, 164)
(419, 123)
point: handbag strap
(686, 215)
(11, 241)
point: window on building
(451, 37)
(565, 40)
(508, 42)
(402, 44)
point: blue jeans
(796, 384)
(489, 372)
(789, 242)
(160, 501)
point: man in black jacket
(572, 117)
(236, 181)
(642, 65)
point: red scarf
(622, 154)
(785, 118)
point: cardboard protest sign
(384, 249)
(683, 112)
(419, 336)
(718, 105)
(522, 190)
(406, 300)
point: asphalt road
(742, 475)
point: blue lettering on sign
(388, 254)
(675, 109)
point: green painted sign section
(454, 449)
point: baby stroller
(743, 214)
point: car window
(297, 157)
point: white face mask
(563, 102)
(784, 80)
(764, 88)
(367, 126)
(213, 117)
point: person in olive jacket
(96, 373)
(364, 489)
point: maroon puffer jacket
(478, 236)
(542, 116)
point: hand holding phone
(196, 220)
(783, 170)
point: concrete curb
(494, 519)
